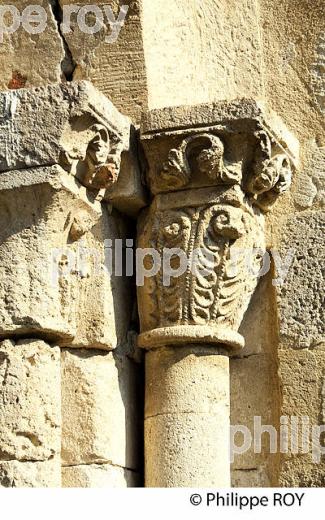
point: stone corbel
(212, 181)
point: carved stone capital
(76, 127)
(64, 149)
(214, 170)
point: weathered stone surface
(259, 325)
(99, 409)
(318, 79)
(33, 251)
(30, 413)
(76, 127)
(30, 474)
(197, 53)
(187, 450)
(186, 417)
(245, 478)
(116, 68)
(53, 275)
(309, 190)
(292, 63)
(186, 380)
(99, 476)
(61, 117)
(31, 59)
(104, 297)
(301, 296)
(301, 374)
(254, 392)
(254, 387)
(297, 472)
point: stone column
(66, 168)
(214, 170)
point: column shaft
(187, 417)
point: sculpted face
(99, 146)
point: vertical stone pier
(68, 389)
(213, 171)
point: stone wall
(169, 53)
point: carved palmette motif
(212, 182)
(209, 256)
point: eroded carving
(210, 196)
(213, 292)
(96, 158)
(271, 173)
(266, 177)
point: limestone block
(301, 377)
(76, 127)
(54, 276)
(259, 325)
(99, 409)
(197, 53)
(30, 474)
(31, 59)
(254, 393)
(245, 478)
(98, 476)
(117, 68)
(302, 381)
(187, 417)
(318, 81)
(294, 77)
(299, 472)
(34, 293)
(301, 296)
(105, 298)
(61, 117)
(309, 190)
(30, 409)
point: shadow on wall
(254, 388)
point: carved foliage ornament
(211, 190)
(206, 302)
(203, 154)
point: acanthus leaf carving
(210, 196)
(207, 293)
